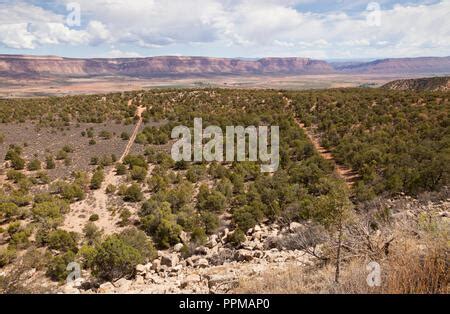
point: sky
(340, 29)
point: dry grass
(417, 263)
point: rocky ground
(214, 268)
(218, 268)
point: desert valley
(224, 156)
(89, 179)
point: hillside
(421, 84)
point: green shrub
(244, 218)
(57, 267)
(34, 165)
(7, 256)
(167, 233)
(196, 173)
(94, 217)
(97, 179)
(13, 228)
(50, 211)
(162, 226)
(135, 160)
(210, 221)
(9, 210)
(116, 259)
(125, 136)
(15, 176)
(105, 135)
(125, 215)
(72, 192)
(133, 193)
(62, 240)
(92, 233)
(236, 238)
(49, 162)
(198, 236)
(139, 240)
(20, 239)
(86, 254)
(121, 169)
(17, 162)
(61, 154)
(67, 149)
(138, 173)
(212, 201)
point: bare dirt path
(345, 173)
(139, 112)
(97, 203)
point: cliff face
(158, 66)
(17, 65)
(422, 84)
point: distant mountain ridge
(22, 65)
(421, 84)
(401, 65)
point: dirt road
(97, 203)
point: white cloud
(116, 53)
(250, 26)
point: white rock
(139, 280)
(156, 265)
(140, 268)
(122, 282)
(243, 255)
(295, 226)
(202, 262)
(190, 280)
(184, 236)
(70, 290)
(177, 247)
(169, 260)
(106, 287)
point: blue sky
(324, 29)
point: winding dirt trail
(97, 203)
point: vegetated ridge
(420, 84)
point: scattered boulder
(156, 265)
(221, 282)
(295, 226)
(123, 284)
(69, 289)
(178, 247)
(169, 260)
(106, 287)
(202, 250)
(140, 269)
(184, 237)
(190, 280)
(202, 262)
(243, 255)
(139, 280)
